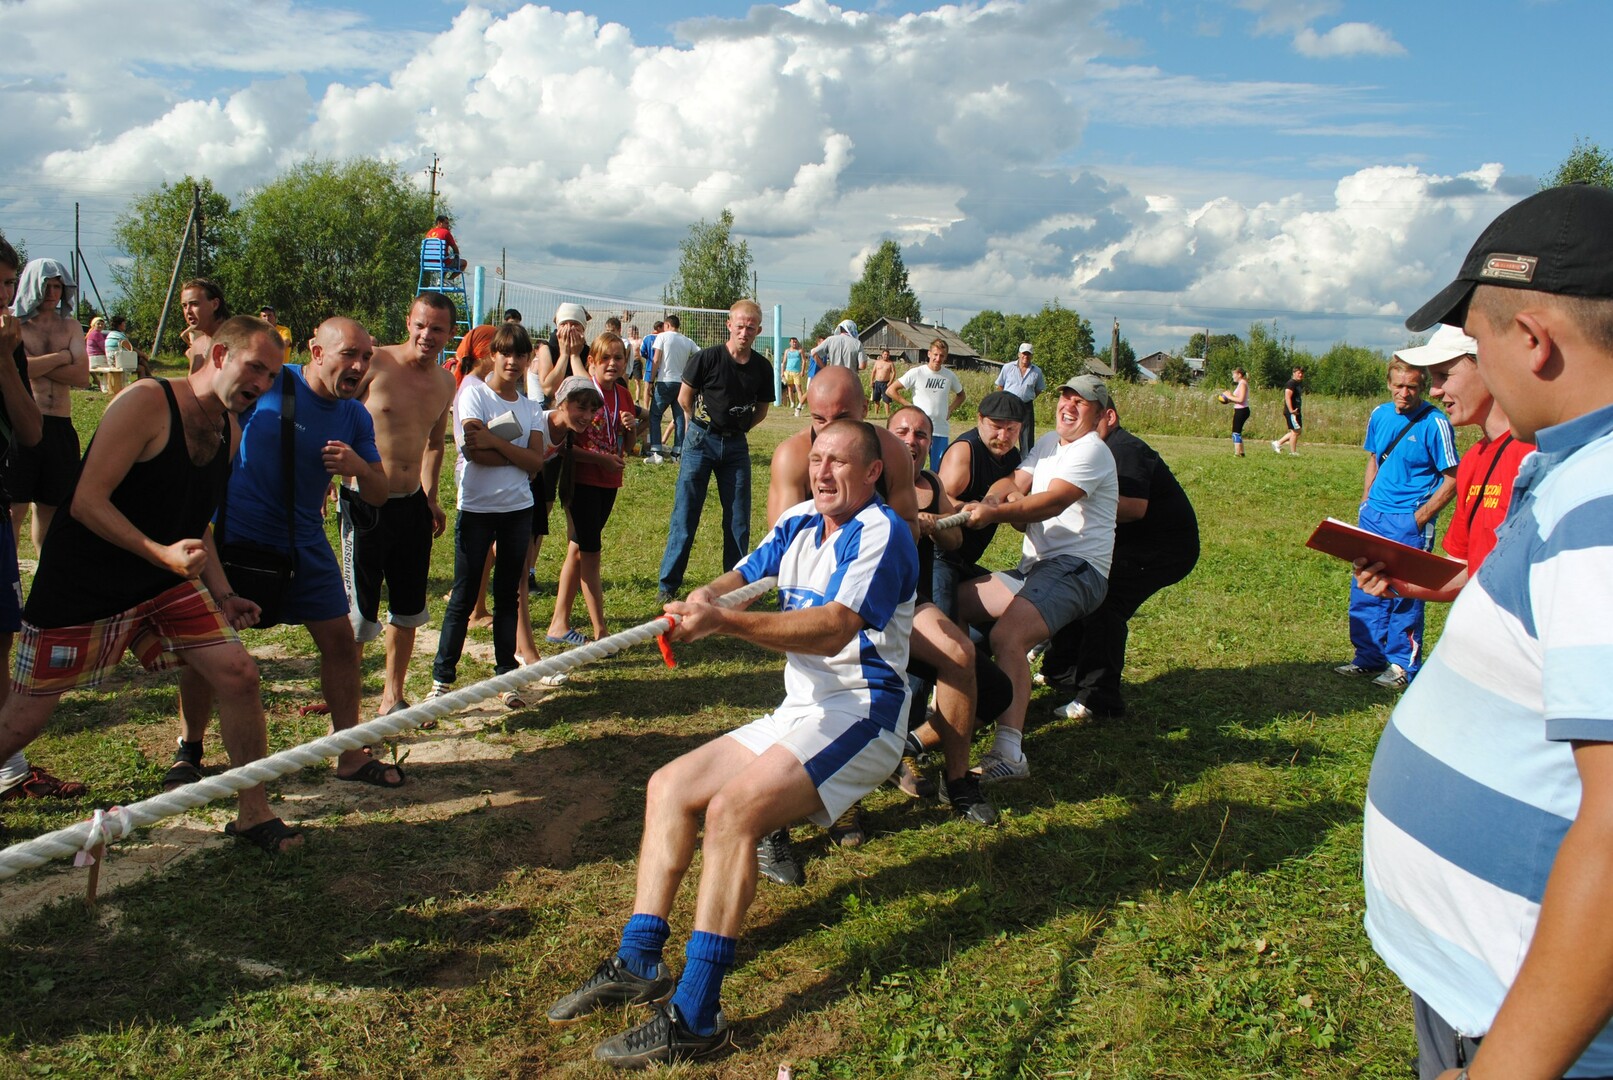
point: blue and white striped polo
(870, 565)
(1474, 784)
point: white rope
(960, 518)
(69, 842)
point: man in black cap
(972, 463)
(1489, 818)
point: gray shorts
(1061, 589)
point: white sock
(1006, 743)
(14, 771)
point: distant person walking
(1238, 398)
(1293, 400)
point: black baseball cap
(1001, 405)
(1557, 241)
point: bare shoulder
(791, 454)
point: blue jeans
(662, 395)
(1390, 630)
(938, 446)
(474, 533)
(703, 454)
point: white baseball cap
(1448, 343)
(1024, 346)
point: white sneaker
(1277, 446)
(438, 690)
(995, 768)
(1073, 711)
(555, 680)
(1393, 678)
(656, 459)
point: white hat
(1448, 343)
(571, 313)
(1024, 346)
(848, 327)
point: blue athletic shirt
(257, 492)
(1474, 786)
(870, 565)
(1413, 469)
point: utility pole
(173, 278)
(1114, 348)
(503, 273)
(196, 216)
(755, 287)
(77, 277)
(434, 172)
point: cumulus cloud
(1348, 39)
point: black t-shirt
(7, 432)
(1299, 392)
(1170, 525)
(728, 392)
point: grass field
(1172, 895)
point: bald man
(334, 438)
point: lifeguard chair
(438, 274)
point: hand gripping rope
(87, 836)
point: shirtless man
(408, 396)
(882, 376)
(202, 304)
(836, 394)
(57, 362)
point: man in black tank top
(150, 481)
(973, 462)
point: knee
(237, 677)
(732, 819)
(666, 793)
(958, 653)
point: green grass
(1174, 895)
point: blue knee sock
(709, 956)
(642, 941)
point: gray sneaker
(611, 984)
(663, 1038)
(776, 861)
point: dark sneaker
(611, 984)
(968, 801)
(776, 861)
(909, 778)
(662, 1039)
(847, 830)
(665, 596)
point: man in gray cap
(1489, 818)
(1065, 494)
(841, 348)
(1024, 380)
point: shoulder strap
(1500, 451)
(1411, 423)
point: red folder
(1348, 542)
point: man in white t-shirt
(1065, 493)
(937, 391)
(672, 352)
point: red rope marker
(665, 645)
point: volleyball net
(537, 305)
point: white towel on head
(31, 288)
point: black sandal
(183, 771)
(267, 836)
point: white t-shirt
(1087, 526)
(678, 349)
(493, 489)
(933, 391)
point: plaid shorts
(65, 658)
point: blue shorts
(318, 591)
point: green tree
(1126, 367)
(149, 232)
(882, 290)
(1266, 356)
(1062, 341)
(1197, 345)
(1176, 372)
(713, 271)
(1348, 371)
(20, 247)
(826, 325)
(332, 238)
(1587, 163)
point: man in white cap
(1484, 477)
(1410, 476)
(1024, 380)
(842, 348)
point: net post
(778, 355)
(478, 286)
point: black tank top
(927, 545)
(83, 578)
(984, 471)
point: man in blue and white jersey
(1489, 818)
(847, 570)
(1410, 477)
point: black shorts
(1240, 416)
(394, 551)
(46, 473)
(876, 393)
(1293, 420)
(586, 516)
(543, 492)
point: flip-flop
(570, 637)
(373, 772)
(183, 771)
(266, 836)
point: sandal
(183, 771)
(42, 785)
(373, 772)
(268, 837)
(512, 700)
(570, 637)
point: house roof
(915, 335)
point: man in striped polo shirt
(1489, 818)
(847, 570)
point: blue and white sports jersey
(870, 565)
(1474, 784)
(1412, 470)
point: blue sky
(1174, 165)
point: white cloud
(1348, 39)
